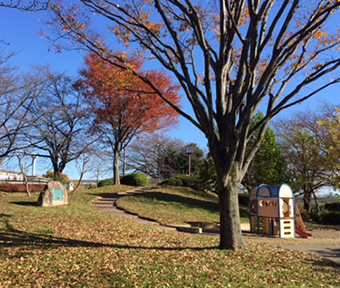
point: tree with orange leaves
(124, 106)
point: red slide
(302, 233)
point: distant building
(11, 176)
(37, 179)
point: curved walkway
(107, 204)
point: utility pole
(34, 162)
(124, 162)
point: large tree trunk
(56, 175)
(229, 178)
(116, 176)
(307, 199)
(230, 224)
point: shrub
(304, 213)
(64, 179)
(189, 181)
(329, 217)
(182, 180)
(105, 182)
(90, 186)
(173, 181)
(333, 206)
(135, 179)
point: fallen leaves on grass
(77, 246)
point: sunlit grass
(78, 246)
(176, 205)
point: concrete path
(328, 251)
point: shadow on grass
(11, 237)
(186, 201)
(332, 254)
(25, 203)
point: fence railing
(35, 181)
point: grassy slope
(77, 246)
(176, 205)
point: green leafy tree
(177, 160)
(269, 165)
(207, 174)
(309, 142)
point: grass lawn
(176, 205)
(78, 246)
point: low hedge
(105, 182)
(333, 206)
(329, 217)
(135, 179)
(182, 180)
(173, 181)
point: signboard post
(189, 150)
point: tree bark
(229, 177)
(116, 176)
(307, 200)
(56, 175)
(230, 224)
(23, 172)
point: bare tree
(33, 5)
(58, 122)
(149, 154)
(98, 165)
(230, 58)
(23, 168)
(17, 94)
(82, 166)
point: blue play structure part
(58, 195)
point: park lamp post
(189, 149)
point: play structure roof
(279, 191)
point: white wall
(8, 175)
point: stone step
(100, 201)
(103, 205)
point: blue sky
(20, 31)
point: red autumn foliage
(124, 101)
(124, 105)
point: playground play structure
(273, 212)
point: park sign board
(54, 194)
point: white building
(10, 176)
